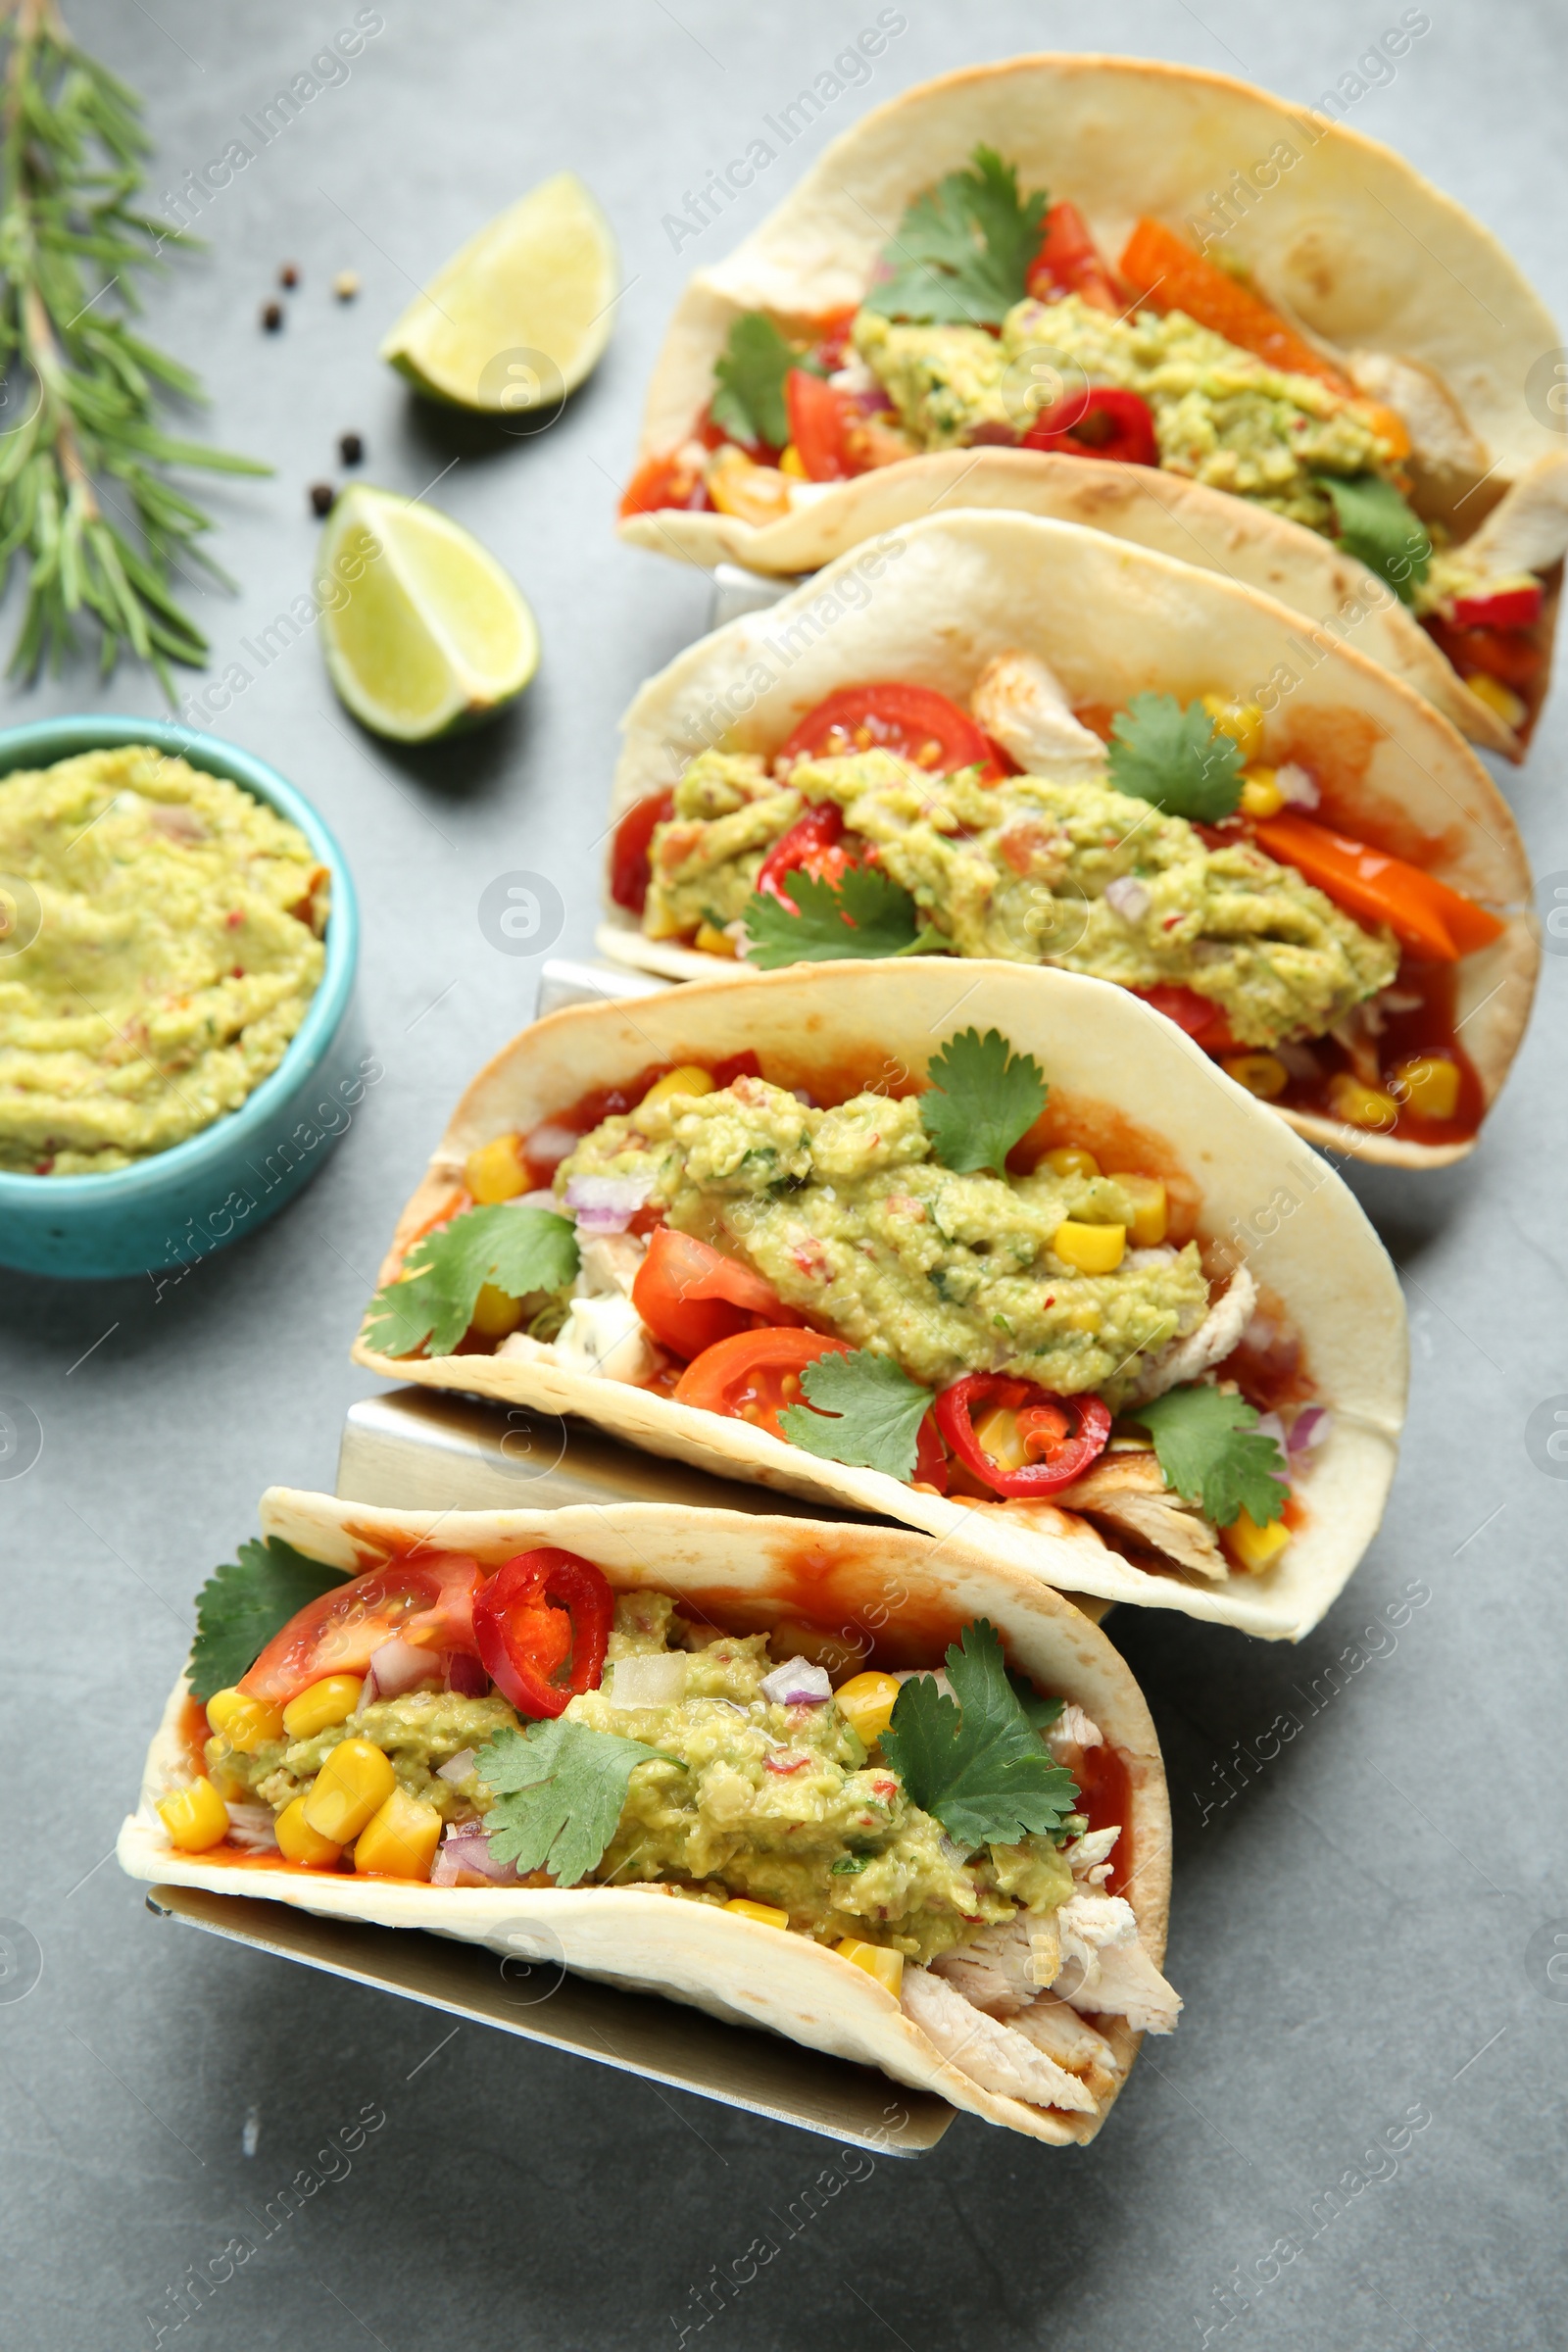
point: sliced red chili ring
(1073, 1430)
(542, 1623)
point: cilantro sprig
(865, 916)
(560, 1789)
(964, 248)
(244, 1603)
(979, 1767)
(1210, 1449)
(1176, 758)
(519, 1251)
(1374, 523)
(982, 1098)
(876, 1411)
(750, 374)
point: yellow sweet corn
(1067, 1160)
(495, 1172)
(495, 1313)
(195, 1817)
(354, 1783)
(1151, 1210)
(1086, 1317)
(1498, 698)
(887, 1967)
(1261, 794)
(1092, 1249)
(1361, 1106)
(1262, 1074)
(297, 1841)
(331, 1700)
(866, 1703)
(751, 493)
(765, 1914)
(712, 942)
(1243, 722)
(791, 462)
(688, 1079)
(400, 1838)
(1430, 1084)
(1255, 1547)
(247, 1724)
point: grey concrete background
(1363, 1922)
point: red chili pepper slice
(1097, 422)
(543, 1623)
(629, 869)
(1070, 1432)
(811, 846)
(1508, 608)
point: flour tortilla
(1350, 243)
(746, 1574)
(933, 603)
(1125, 1081)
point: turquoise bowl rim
(39, 743)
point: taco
(697, 1754)
(991, 735)
(1242, 308)
(993, 1252)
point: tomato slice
(542, 1623)
(1069, 261)
(1200, 1016)
(629, 870)
(914, 721)
(816, 426)
(812, 846)
(752, 1375)
(667, 481)
(428, 1603)
(691, 1296)
(1507, 609)
(1097, 422)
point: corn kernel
(195, 1817)
(1086, 1317)
(689, 1079)
(1430, 1084)
(1361, 1106)
(1255, 1547)
(1498, 698)
(867, 1703)
(400, 1838)
(495, 1313)
(1261, 794)
(1092, 1249)
(246, 1723)
(1151, 1210)
(765, 1914)
(297, 1841)
(1243, 722)
(713, 942)
(331, 1700)
(791, 462)
(495, 1172)
(885, 1966)
(1262, 1074)
(354, 1783)
(1067, 1160)
(997, 1434)
(751, 493)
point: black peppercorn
(323, 495)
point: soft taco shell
(1118, 1073)
(746, 1573)
(1346, 240)
(934, 603)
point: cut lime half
(518, 317)
(424, 631)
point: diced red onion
(548, 1145)
(1299, 787)
(458, 1766)
(1269, 1425)
(1310, 1428)
(607, 1204)
(798, 1683)
(467, 1849)
(1128, 895)
(396, 1667)
(464, 1674)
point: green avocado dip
(167, 942)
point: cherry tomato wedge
(1070, 263)
(1061, 1436)
(428, 1602)
(542, 1624)
(754, 1374)
(1097, 422)
(691, 1296)
(816, 426)
(629, 869)
(812, 846)
(667, 481)
(914, 721)
(1200, 1016)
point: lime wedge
(424, 631)
(518, 317)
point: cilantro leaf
(1209, 1446)
(866, 915)
(1374, 523)
(877, 1413)
(750, 374)
(1041, 1713)
(244, 1603)
(1176, 758)
(519, 1251)
(561, 1787)
(978, 1766)
(964, 248)
(982, 1099)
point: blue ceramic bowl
(176, 1207)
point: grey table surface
(1357, 2136)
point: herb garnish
(561, 1787)
(519, 1251)
(876, 1413)
(982, 1099)
(867, 915)
(964, 248)
(750, 374)
(1176, 758)
(979, 1767)
(244, 1603)
(1374, 523)
(1208, 1446)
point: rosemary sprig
(88, 456)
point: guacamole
(168, 941)
(418, 1732)
(852, 1220)
(1221, 415)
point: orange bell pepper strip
(1424, 914)
(1170, 276)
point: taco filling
(955, 1834)
(1164, 856)
(942, 1285)
(994, 319)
